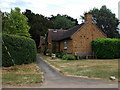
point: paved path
(53, 79)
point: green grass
(93, 68)
(21, 78)
(22, 74)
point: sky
(73, 8)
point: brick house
(76, 40)
(42, 43)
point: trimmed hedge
(22, 50)
(68, 57)
(106, 48)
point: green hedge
(22, 50)
(106, 48)
(68, 57)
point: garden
(19, 50)
(106, 50)
(86, 68)
(22, 75)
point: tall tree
(39, 25)
(15, 23)
(106, 21)
(63, 21)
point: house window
(65, 44)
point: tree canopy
(106, 21)
(15, 23)
(39, 25)
(63, 21)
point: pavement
(54, 79)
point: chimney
(88, 17)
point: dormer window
(65, 44)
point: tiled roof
(56, 34)
(60, 34)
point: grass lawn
(22, 74)
(92, 68)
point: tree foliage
(106, 21)
(63, 21)
(15, 23)
(39, 25)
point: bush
(22, 50)
(68, 57)
(106, 48)
(59, 55)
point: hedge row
(22, 50)
(106, 48)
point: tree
(0, 25)
(39, 25)
(106, 21)
(15, 23)
(63, 21)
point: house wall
(42, 48)
(41, 44)
(50, 42)
(82, 38)
(55, 47)
(69, 46)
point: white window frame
(65, 45)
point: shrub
(59, 55)
(22, 50)
(106, 48)
(68, 57)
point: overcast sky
(73, 8)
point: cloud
(73, 8)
